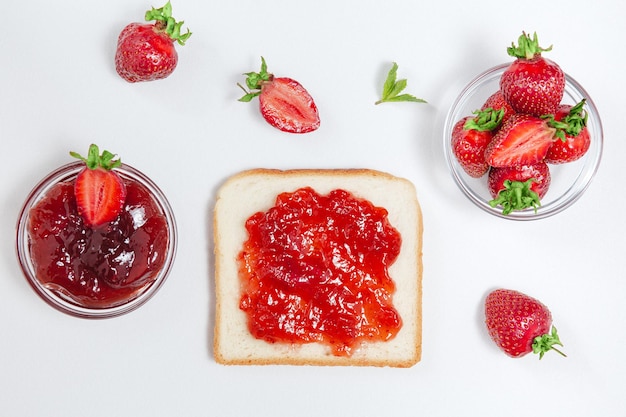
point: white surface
(59, 92)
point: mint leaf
(393, 87)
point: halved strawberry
(532, 84)
(470, 137)
(574, 141)
(100, 192)
(522, 140)
(284, 102)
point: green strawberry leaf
(485, 120)
(572, 124)
(527, 47)
(516, 195)
(254, 82)
(393, 87)
(167, 24)
(95, 160)
(542, 344)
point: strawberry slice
(100, 192)
(284, 102)
(522, 140)
(286, 105)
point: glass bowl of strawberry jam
(95, 271)
(568, 181)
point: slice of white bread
(252, 191)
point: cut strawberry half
(286, 105)
(284, 102)
(100, 192)
(522, 140)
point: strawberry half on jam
(100, 239)
(100, 192)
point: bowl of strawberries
(523, 140)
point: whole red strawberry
(497, 101)
(521, 140)
(470, 137)
(574, 141)
(146, 52)
(100, 192)
(284, 102)
(532, 84)
(519, 187)
(520, 324)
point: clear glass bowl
(65, 304)
(569, 181)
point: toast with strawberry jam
(318, 267)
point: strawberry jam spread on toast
(314, 269)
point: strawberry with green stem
(146, 52)
(520, 324)
(393, 87)
(100, 192)
(532, 84)
(518, 187)
(470, 137)
(284, 103)
(574, 140)
(496, 101)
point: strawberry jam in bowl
(96, 238)
(556, 184)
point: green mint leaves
(393, 87)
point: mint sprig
(393, 87)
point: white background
(59, 92)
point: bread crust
(255, 190)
